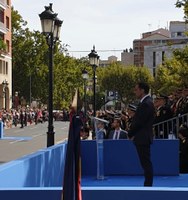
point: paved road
(18, 142)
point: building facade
(127, 57)
(5, 55)
(154, 55)
(156, 37)
(111, 59)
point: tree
(2, 45)
(122, 79)
(184, 4)
(67, 77)
(30, 66)
(29, 60)
(173, 74)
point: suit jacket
(142, 123)
(122, 134)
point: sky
(110, 25)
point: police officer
(163, 113)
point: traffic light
(116, 95)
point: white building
(154, 55)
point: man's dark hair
(118, 120)
(144, 86)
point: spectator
(183, 153)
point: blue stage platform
(40, 175)
(136, 181)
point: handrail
(169, 128)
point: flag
(76, 106)
(72, 169)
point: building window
(154, 63)
(163, 56)
(1, 66)
(179, 34)
(6, 67)
(2, 16)
(7, 23)
(2, 36)
(8, 2)
(154, 58)
(8, 46)
(154, 72)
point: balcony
(3, 4)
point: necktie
(116, 135)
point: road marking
(64, 127)
(62, 141)
(16, 141)
(18, 131)
(38, 135)
(33, 127)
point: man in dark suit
(141, 130)
(117, 133)
(163, 113)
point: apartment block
(127, 57)
(111, 59)
(156, 37)
(154, 55)
(5, 55)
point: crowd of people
(166, 107)
(23, 116)
(120, 124)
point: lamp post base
(50, 138)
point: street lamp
(94, 62)
(30, 94)
(51, 29)
(5, 85)
(85, 77)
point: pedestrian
(22, 118)
(117, 133)
(141, 130)
(183, 148)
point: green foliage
(123, 79)
(30, 64)
(29, 60)
(174, 73)
(2, 45)
(184, 4)
(67, 77)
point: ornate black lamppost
(94, 62)
(85, 77)
(51, 29)
(5, 85)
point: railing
(169, 128)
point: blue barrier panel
(40, 175)
(41, 169)
(120, 158)
(45, 167)
(1, 130)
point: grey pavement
(18, 142)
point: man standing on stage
(141, 130)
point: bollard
(1, 130)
